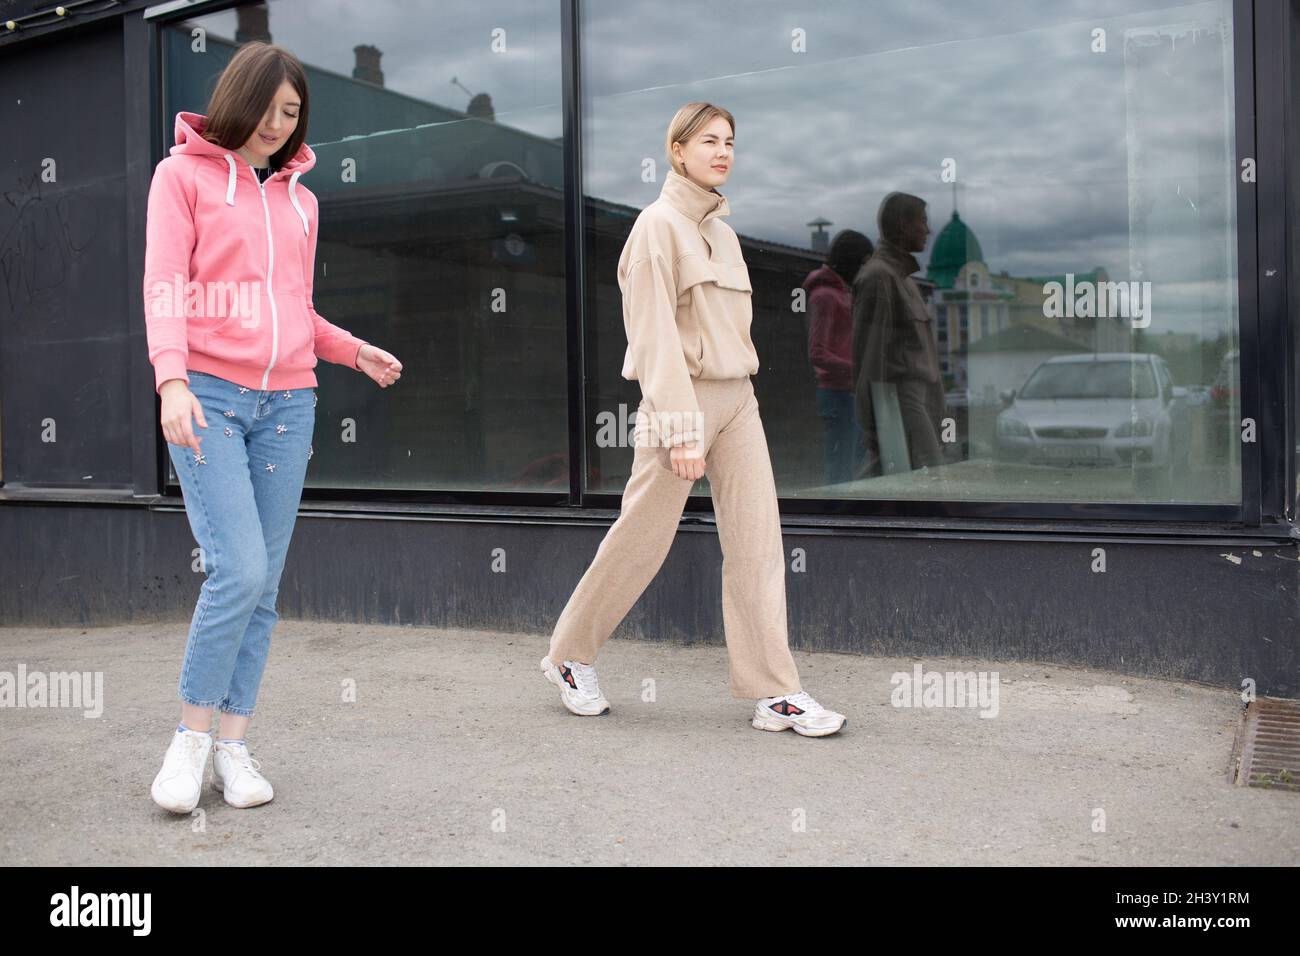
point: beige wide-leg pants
(739, 470)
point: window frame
(1267, 465)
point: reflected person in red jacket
(830, 349)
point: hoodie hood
(190, 141)
(825, 277)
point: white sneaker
(579, 690)
(180, 781)
(797, 712)
(235, 774)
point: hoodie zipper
(270, 274)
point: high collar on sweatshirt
(693, 200)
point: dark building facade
(1112, 281)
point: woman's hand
(379, 365)
(178, 406)
(687, 461)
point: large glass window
(1078, 168)
(437, 130)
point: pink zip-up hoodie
(228, 269)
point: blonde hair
(690, 119)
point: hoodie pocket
(248, 312)
(297, 331)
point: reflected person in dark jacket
(894, 345)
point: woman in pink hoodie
(233, 338)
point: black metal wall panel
(1213, 611)
(1276, 428)
(64, 346)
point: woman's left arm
(338, 345)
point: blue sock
(231, 742)
(181, 728)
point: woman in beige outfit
(687, 312)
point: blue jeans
(843, 442)
(241, 497)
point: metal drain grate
(1266, 752)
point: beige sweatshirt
(686, 303)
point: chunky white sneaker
(797, 712)
(180, 781)
(235, 774)
(578, 688)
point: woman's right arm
(650, 320)
(169, 243)
(649, 287)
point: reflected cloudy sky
(1067, 159)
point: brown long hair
(245, 90)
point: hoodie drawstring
(293, 198)
(230, 182)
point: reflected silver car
(1110, 409)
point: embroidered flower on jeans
(288, 395)
(228, 432)
(280, 429)
(270, 466)
(199, 459)
(314, 400)
(311, 450)
(243, 389)
(229, 413)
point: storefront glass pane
(1079, 276)
(438, 135)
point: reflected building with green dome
(970, 304)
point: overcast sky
(1067, 159)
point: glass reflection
(1077, 163)
(438, 136)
